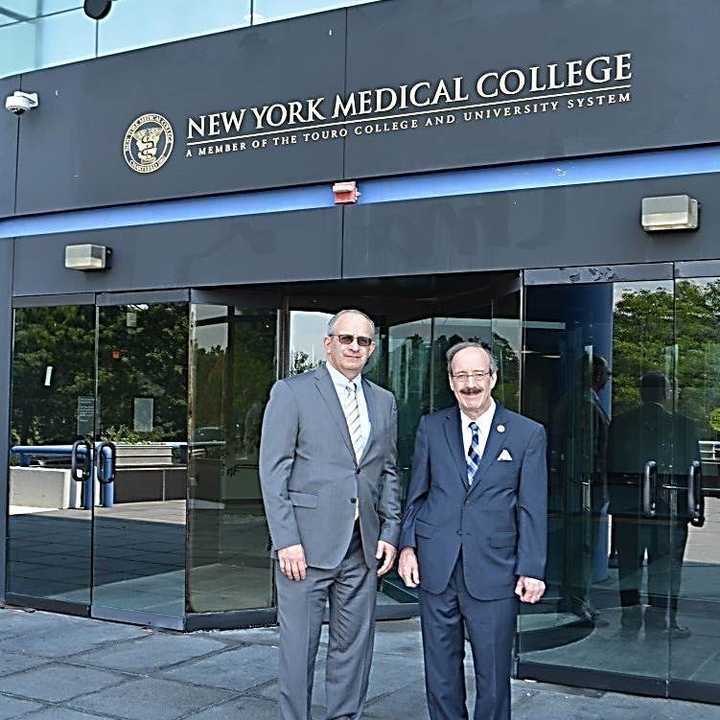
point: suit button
(353, 500)
(459, 532)
(357, 471)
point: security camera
(20, 102)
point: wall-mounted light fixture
(669, 212)
(88, 257)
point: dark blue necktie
(473, 458)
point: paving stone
(15, 662)
(399, 638)
(408, 702)
(13, 707)
(150, 653)
(153, 699)
(62, 640)
(57, 682)
(16, 622)
(242, 709)
(61, 713)
(388, 673)
(239, 669)
(261, 636)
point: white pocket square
(505, 455)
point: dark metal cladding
(8, 148)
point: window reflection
(268, 10)
(233, 367)
(416, 322)
(138, 23)
(45, 42)
(23, 9)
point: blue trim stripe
(523, 176)
(544, 174)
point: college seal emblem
(148, 143)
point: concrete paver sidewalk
(56, 667)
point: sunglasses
(362, 340)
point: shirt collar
(339, 379)
(484, 420)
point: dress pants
(491, 628)
(350, 589)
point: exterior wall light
(87, 257)
(669, 212)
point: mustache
(470, 391)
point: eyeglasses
(362, 340)
(477, 376)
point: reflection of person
(651, 433)
(329, 482)
(578, 448)
(251, 430)
(474, 534)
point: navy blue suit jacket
(499, 522)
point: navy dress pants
(491, 628)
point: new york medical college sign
(492, 95)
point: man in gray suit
(331, 493)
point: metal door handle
(107, 462)
(77, 472)
(696, 497)
(649, 489)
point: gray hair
(334, 319)
(455, 349)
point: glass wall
(46, 40)
(598, 362)
(36, 34)
(269, 10)
(234, 364)
(625, 376)
(417, 321)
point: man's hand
(387, 550)
(292, 562)
(529, 590)
(408, 567)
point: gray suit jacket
(310, 478)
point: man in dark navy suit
(474, 535)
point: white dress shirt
(484, 423)
(341, 382)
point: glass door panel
(233, 366)
(695, 573)
(53, 407)
(598, 373)
(139, 528)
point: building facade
(538, 176)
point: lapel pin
(501, 428)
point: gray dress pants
(350, 590)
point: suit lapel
(371, 402)
(329, 395)
(453, 434)
(493, 445)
